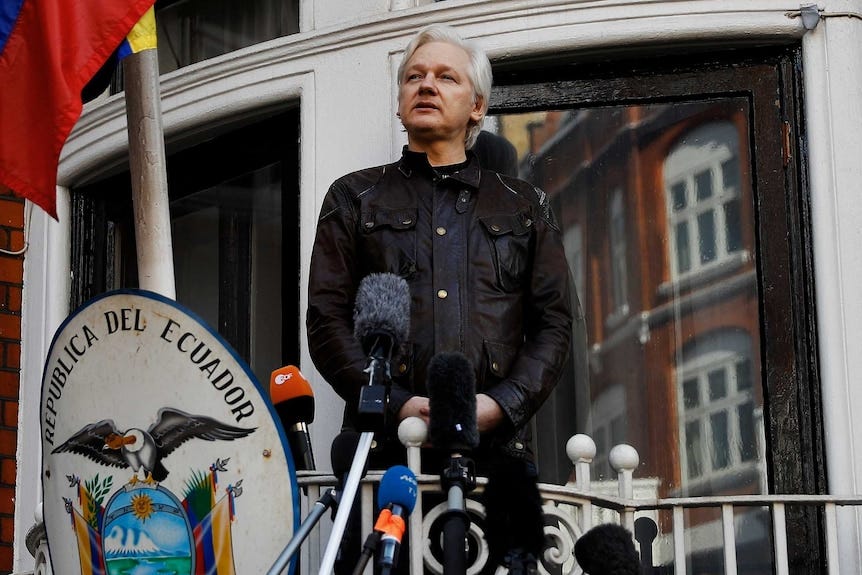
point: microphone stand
(373, 400)
(458, 479)
(368, 549)
(347, 497)
(326, 501)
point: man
(480, 251)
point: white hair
(479, 71)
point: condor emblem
(159, 452)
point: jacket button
(369, 225)
(441, 231)
(495, 228)
(402, 368)
(495, 366)
(519, 445)
(442, 294)
(528, 223)
(407, 222)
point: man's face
(435, 99)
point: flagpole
(149, 173)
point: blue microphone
(397, 494)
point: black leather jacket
(488, 277)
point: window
(608, 429)
(191, 31)
(702, 183)
(573, 242)
(708, 245)
(235, 260)
(617, 229)
(194, 30)
(720, 415)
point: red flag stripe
(53, 51)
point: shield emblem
(161, 453)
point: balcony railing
(569, 510)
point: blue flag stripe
(9, 11)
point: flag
(142, 37)
(49, 50)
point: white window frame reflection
(573, 242)
(608, 428)
(719, 358)
(702, 201)
(618, 251)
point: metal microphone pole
(347, 497)
(328, 500)
(458, 479)
(372, 408)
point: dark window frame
(771, 80)
(103, 253)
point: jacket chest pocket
(389, 240)
(509, 237)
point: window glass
(193, 30)
(712, 322)
(676, 371)
(245, 208)
(618, 249)
(235, 261)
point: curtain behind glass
(194, 30)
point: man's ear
(478, 110)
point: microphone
(452, 429)
(607, 549)
(381, 314)
(293, 399)
(514, 524)
(381, 322)
(396, 495)
(341, 455)
(452, 400)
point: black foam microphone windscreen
(452, 398)
(607, 549)
(342, 453)
(381, 314)
(514, 522)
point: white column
(832, 74)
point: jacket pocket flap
(499, 357)
(402, 219)
(498, 225)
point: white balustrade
(569, 510)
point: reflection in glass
(717, 385)
(680, 369)
(706, 233)
(733, 221)
(201, 245)
(720, 443)
(194, 30)
(694, 448)
(703, 185)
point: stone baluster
(581, 449)
(624, 459)
(412, 433)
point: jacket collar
(416, 163)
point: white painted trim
(833, 84)
(281, 71)
(44, 307)
(255, 77)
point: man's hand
(416, 406)
(489, 414)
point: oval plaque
(160, 453)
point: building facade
(700, 159)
